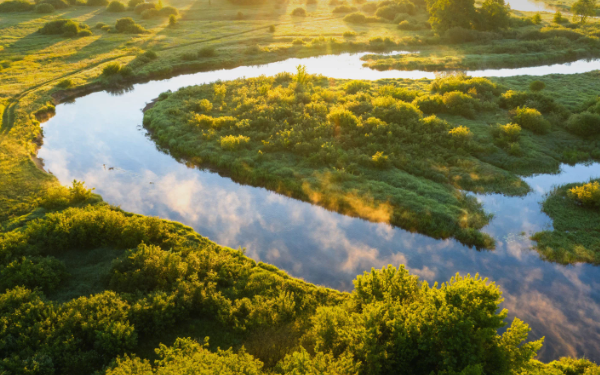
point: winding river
(99, 139)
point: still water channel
(99, 139)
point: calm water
(99, 139)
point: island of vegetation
(575, 213)
(397, 151)
(86, 288)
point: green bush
(57, 4)
(168, 11)
(349, 34)
(584, 124)
(430, 104)
(587, 195)
(355, 18)
(531, 119)
(131, 4)
(143, 7)
(208, 51)
(355, 86)
(15, 6)
(344, 9)
(232, 142)
(369, 7)
(458, 103)
(97, 3)
(299, 12)
(116, 6)
(150, 55)
(508, 133)
(389, 12)
(512, 99)
(111, 69)
(149, 13)
(128, 26)
(536, 86)
(66, 28)
(44, 8)
(33, 272)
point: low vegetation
(575, 213)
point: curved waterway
(99, 139)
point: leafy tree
(494, 15)
(583, 9)
(445, 14)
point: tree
(445, 14)
(494, 15)
(583, 9)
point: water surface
(99, 139)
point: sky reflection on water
(82, 142)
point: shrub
(531, 119)
(558, 18)
(369, 7)
(131, 4)
(536, 19)
(232, 142)
(458, 103)
(355, 18)
(84, 33)
(299, 12)
(297, 42)
(116, 6)
(587, 195)
(149, 13)
(15, 6)
(97, 3)
(65, 83)
(509, 132)
(344, 9)
(380, 160)
(584, 124)
(208, 51)
(100, 25)
(355, 86)
(395, 111)
(430, 104)
(144, 6)
(44, 8)
(349, 34)
(150, 54)
(66, 28)
(111, 69)
(536, 86)
(202, 105)
(343, 118)
(512, 99)
(389, 12)
(407, 25)
(127, 25)
(462, 134)
(168, 11)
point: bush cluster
(66, 28)
(15, 6)
(531, 119)
(587, 195)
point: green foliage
(537, 86)
(97, 3)
(128, 26)
(66, 28)
(558, 18)
(585, 124)
(143, 7)
(44, 8)
(393, 321)
(344, 9)
(131, 4)
(208, 51)
(493, 15)
(536, 19)
(299, 12)
(15, 6)
(512, 99)
(446, 14)
(60, 196)
(300, 129)
(531, 119)
(355, 18)
(390, 11)
(582, 9)
(116, 6)
(114, 68)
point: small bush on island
(116, 6)
(584, 124)
(587, 195)
(537, 86)
(299, 12)
(128, 26)
(44, 8)
(97, 3)
(344, 9)
(15, 6)
(66, 28)
(531, 119)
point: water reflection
(98, 139)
